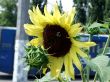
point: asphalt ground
(8, 78)
(32, 81)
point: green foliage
(46, 78)
(97, 28)
(60, 6)
(36, 57)
(94, 28)
(9, 13)
(107, 9)
(96, 8)
(95, 24)
(92, 10)
(101, 66)
(81, 13)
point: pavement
(8, 78)
(10, 81)
(32, 81)
(4, 77)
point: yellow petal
(48, 15)
(66, 60)
(75, 59)
(38, 10)
(80, 52)
(56, 14)
(75, 29)
(55, 65)
(56, 11)
(34, 10)
(62, 19)
(37, 17)
(38, 14)
(69, 70)
(35, 42)
(83, 44)
(33, 18)
(70, 16)
(33, 30)
(63, 22)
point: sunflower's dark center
(56, 40)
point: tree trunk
(96, 8)
(107, 9)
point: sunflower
(55, 32)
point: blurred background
(87, 10)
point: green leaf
(104, 31)
(46, 78)
(95, 24)
(96, 28)
(106, 74)
(100, 64)
(105, 25)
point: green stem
(88, 69)
(59, 80)
(83, 77)
(107, 42)
(88, 72)
(95, 77)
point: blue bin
(7, 50)
(100, 40)
(7, 42)
(6, 61)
